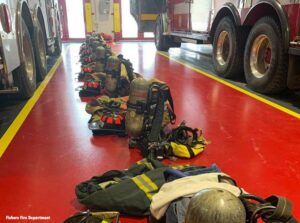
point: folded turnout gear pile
(166, 192)
(127, 191)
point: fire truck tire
(228, 49)
(265, 60)
(162, 42)
(58, 41)
(25, 75)
(40, 52)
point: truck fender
(269, 7)
(23, 12)
(228, 9)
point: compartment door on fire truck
(201, 15)
(180, 14)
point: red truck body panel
(189, 17)
(179, 12)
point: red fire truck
(260, 38)
(29, 30)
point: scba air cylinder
(137, 102)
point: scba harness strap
(274, 209)
(160, 93)
(158, 111)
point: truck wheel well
(221, 14)
(260, 11)
(273, 10)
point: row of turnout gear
(88, 48)
(91, 43)
(100, 55)
(165, 193)
(93, 55)
(98, 64)
(114, 81)
(109, 75)
(107, 115)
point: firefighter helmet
(215, 205)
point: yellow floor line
(17, 123)
(257, 97)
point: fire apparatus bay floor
(255, 143)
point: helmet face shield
(217, 206)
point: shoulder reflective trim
(146, 163)
(149, 166)
(179, 167)
(146, 185)
(150, 182)
(141, 161)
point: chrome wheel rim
(223, 46)
(28, 57)
(261, 56)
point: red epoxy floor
(54, 150)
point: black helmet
(215, 205)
